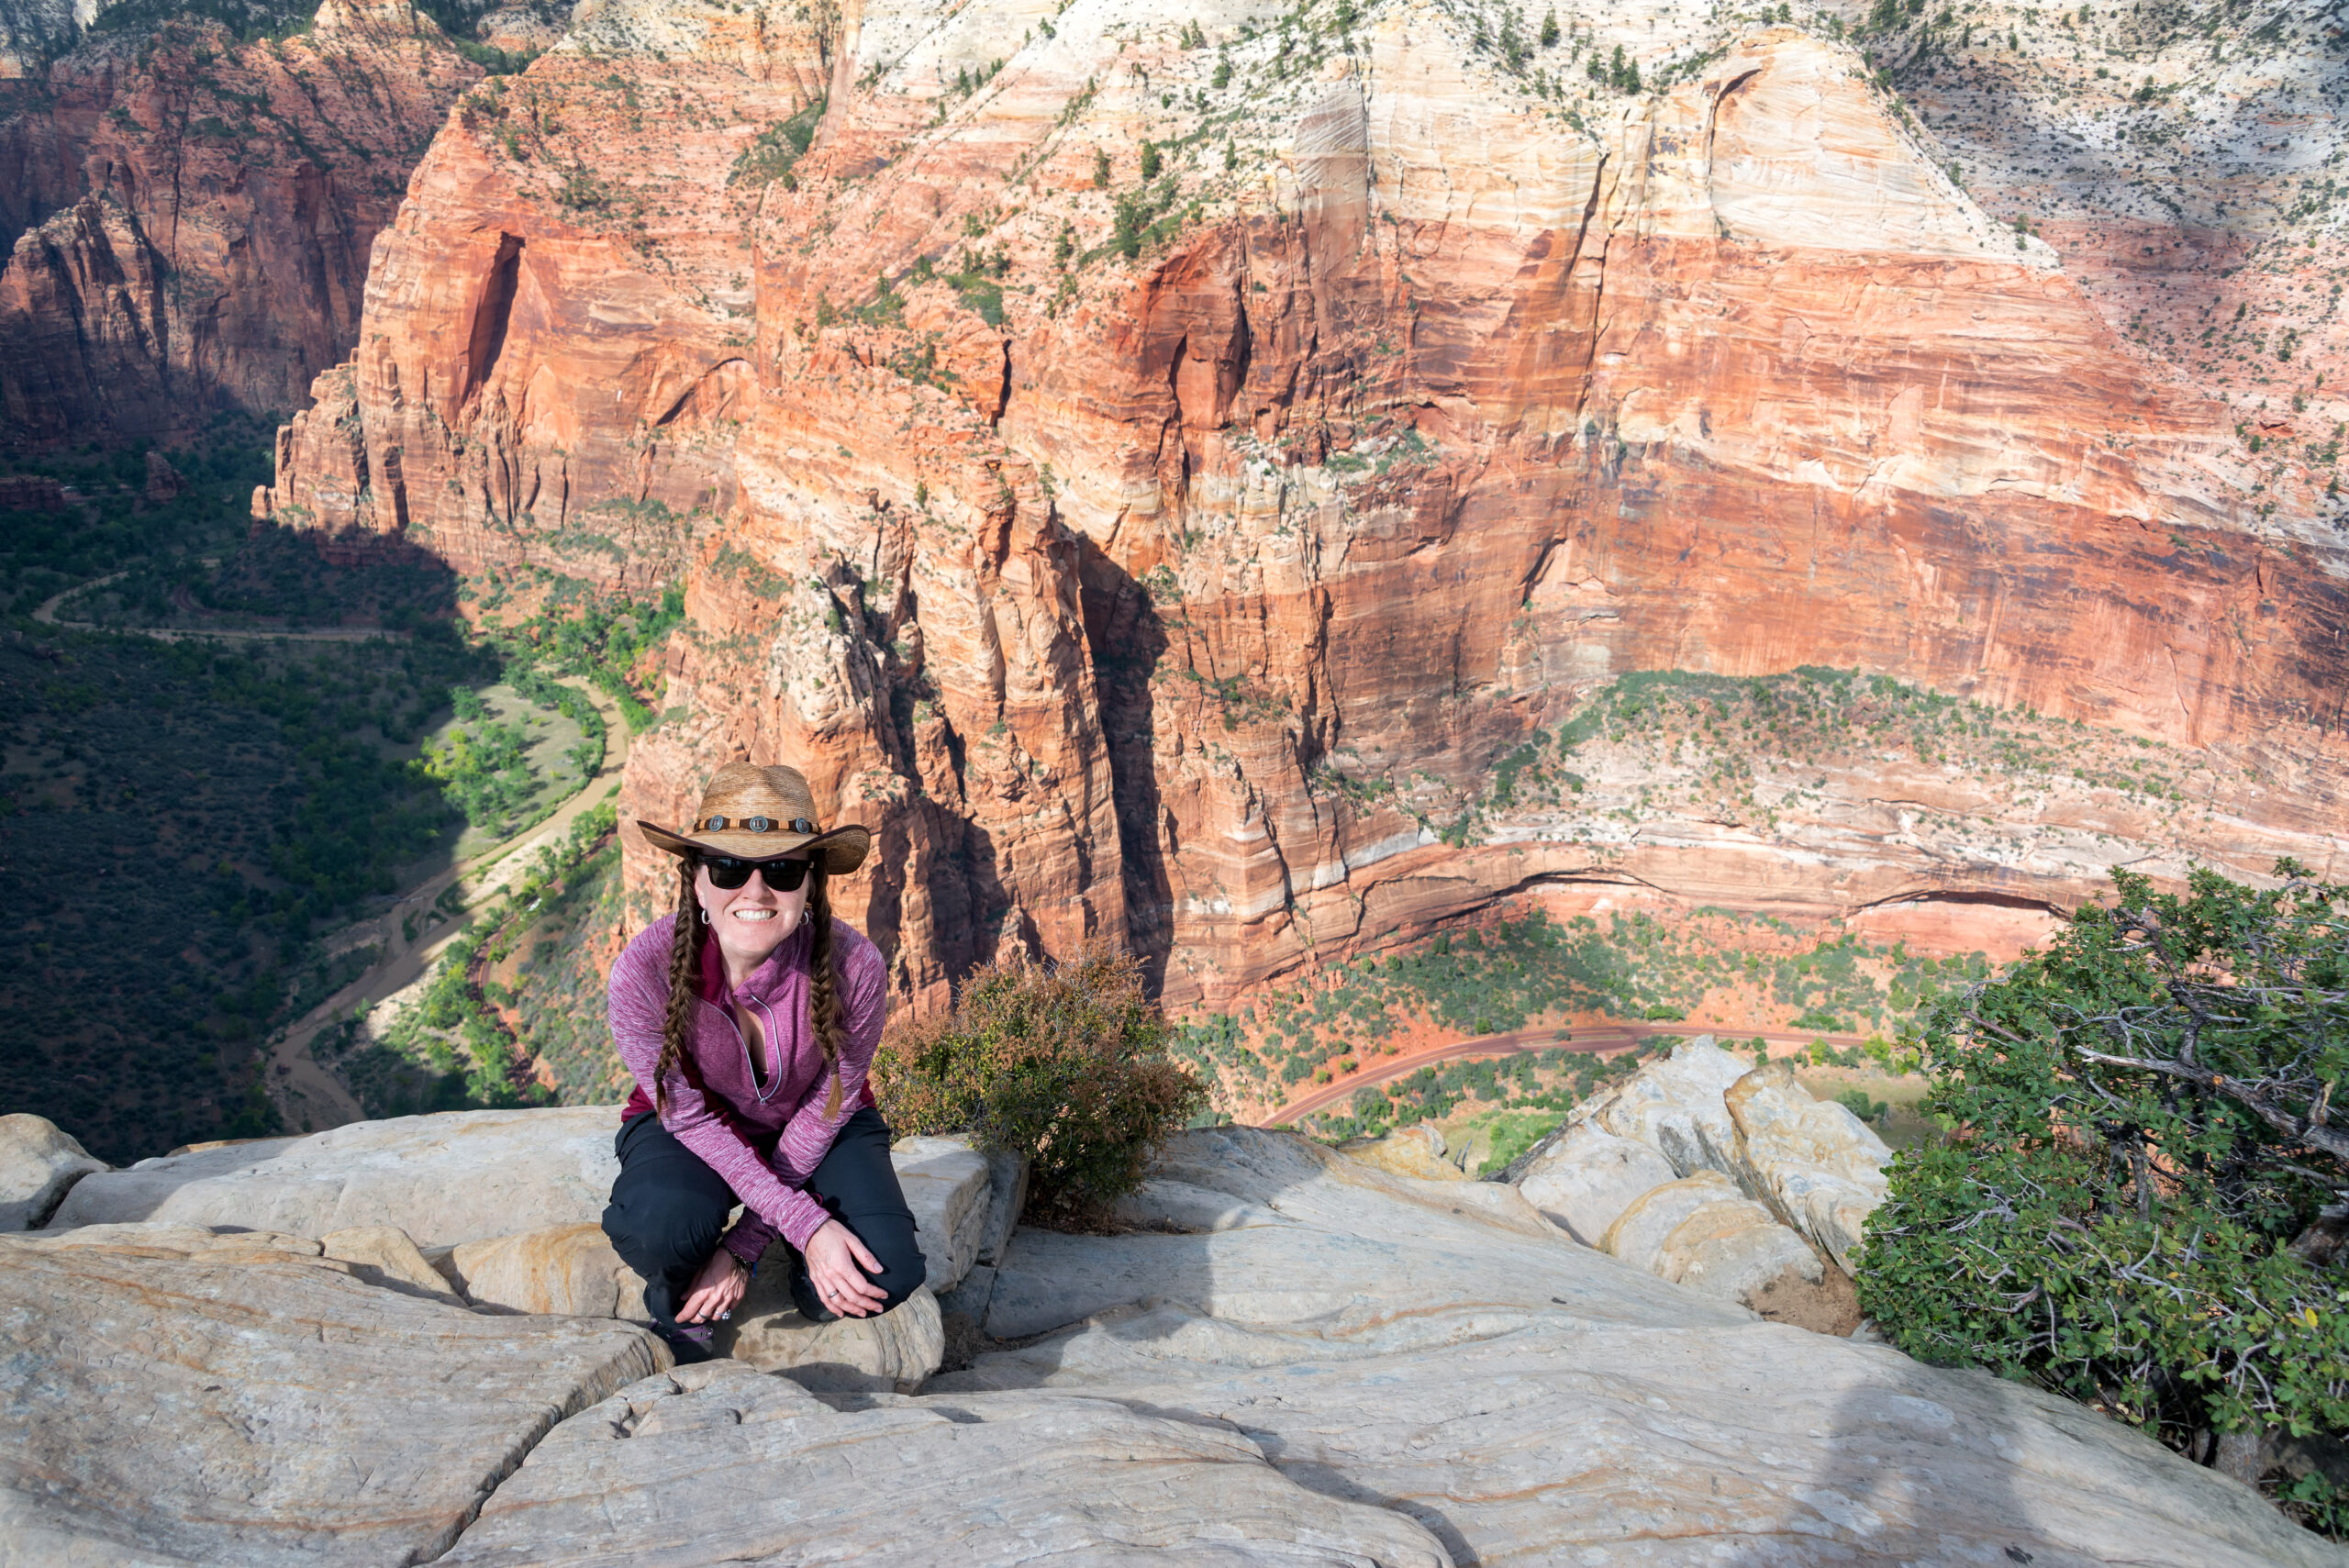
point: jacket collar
(764, 980)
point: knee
(903, 1267)
(658, 1232)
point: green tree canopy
(2140, 1201)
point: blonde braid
(685, 983)
(823, 991)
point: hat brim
(844, 848)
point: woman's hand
(717, 1289)
(833, 1255)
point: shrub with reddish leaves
(1063, 1062)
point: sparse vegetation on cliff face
(1523, 1095)
(1751, 748)
(1532, 971)
(601, 637)
(558, 985)
(1064, 1064)
(2140, 1204)
(2147, 145)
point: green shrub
(1064, 1063)
(770, 155)
(1856, 1101)
(2132, 1208)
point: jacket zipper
(748, 1068)
(774, 1048)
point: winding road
(293, 1073)
(1593, 1039)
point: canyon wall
(187, 220)
(1173, 483)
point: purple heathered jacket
(792, 1104)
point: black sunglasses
(784, 876)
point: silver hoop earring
(705, 916)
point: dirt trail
(1595, 1039)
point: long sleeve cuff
(750, 1239)
(801, 1217)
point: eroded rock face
(1587, 1177)
(1818, 1166)
(1726, 1178)
(1701, 1232)
(1407, 1151)
(1197, 599)
(39, 1162)
(387, 1256)
(948, 1186)
(1676, 1107)
(890, 1353)
(190, 217)
(568, 1269)
(175, 1398)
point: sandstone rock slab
(685, 1469)
(1641, 1232)
(172, 1397)
(570, 1269)
(1675, 1106)
(169, 1240)
(1674, 1446)
(1321, 1238)
(892, 1353)
(39, 1162)
(1812, 1160)
(1587, 1177)
(1817, 1166)
(458, 1176)
(1703, 1232)
(1007, 1195)
(1186, 1207)
(383, 1255)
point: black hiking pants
(669, 1210)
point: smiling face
(750, 921)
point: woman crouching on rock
(750, 1018)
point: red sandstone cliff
(188, 219)
(1193, 598)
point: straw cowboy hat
(758, 814)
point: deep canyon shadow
(1128, 639)
(187, 819)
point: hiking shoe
(688, 1342)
